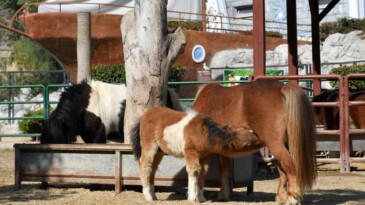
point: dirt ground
(332, 187)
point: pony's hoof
(281, 199)
(198, 199)
(192, 200)
(201, 199)
(150, 198)
(223, 196)
(292, 201)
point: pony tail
(301, 134)
(136, 141)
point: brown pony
(185, 134)
(281, 116)
(357, 113)
(329, 116)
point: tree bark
(149, 53)
(83, 46)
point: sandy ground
(332, 187)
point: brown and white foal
(185, 134)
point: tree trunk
(149, 53)
(83, 46)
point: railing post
(9, 94)
(46, 101)
(179, 19)
(204, 15)
(343, 94)
(221, 20)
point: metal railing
(342, 135)
(44, 104)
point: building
(275, 14)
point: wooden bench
(112, 164)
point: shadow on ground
(321, 197)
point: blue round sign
(198, 54)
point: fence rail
(11, 102)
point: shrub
(273, 34)
(29, 56)
(31, 8)
(32, 125)
(187, 25)
(3, 91)
(116, 74)
(342, 25)
(109, 74)
(176, 74)
(344, 70)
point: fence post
(10, 97)
(46, 101)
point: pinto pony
(91, 109)
(185, 134)
(281, 116)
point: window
(323, 3)
(244, 11)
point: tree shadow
(321, 197)
(335, 196)
(236, 196)
(29, 192)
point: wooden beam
(204, 15)
(291, 9)
(259, 45)
(118, 172)
(15, 30)
(316, 47)
(328, 8)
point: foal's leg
(158, 158)
(193, 169)
(201, 180)
(288, 173)
(225, 189)
(146, 170)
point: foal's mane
(200, 88)
(215, 132)
(136, 141)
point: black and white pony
(93, 110)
